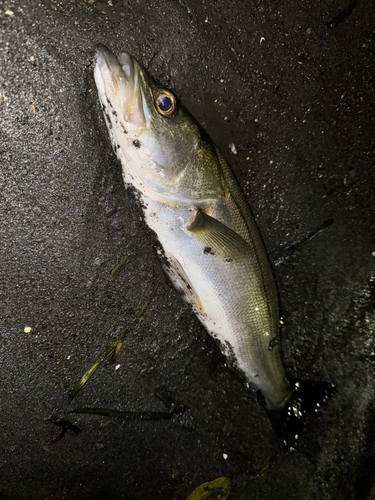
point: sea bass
(213, 251)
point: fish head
(153, 135)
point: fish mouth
(120, 82)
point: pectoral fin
(217, 238)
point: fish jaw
(117, 81)
(125, 112)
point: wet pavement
(292, 88)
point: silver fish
(191, 200)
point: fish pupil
(164, 103)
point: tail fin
(306, 398)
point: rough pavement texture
(291, 85)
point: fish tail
(306, 399)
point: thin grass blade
(214, 490)
(128, 415)
(82, 381)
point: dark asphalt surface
(291, 85)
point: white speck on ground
(232, 147)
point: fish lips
(119, 82)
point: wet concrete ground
(291, 85)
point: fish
(210, 245)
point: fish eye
(165, 103)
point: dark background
(291, 85)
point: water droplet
(273, 343)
